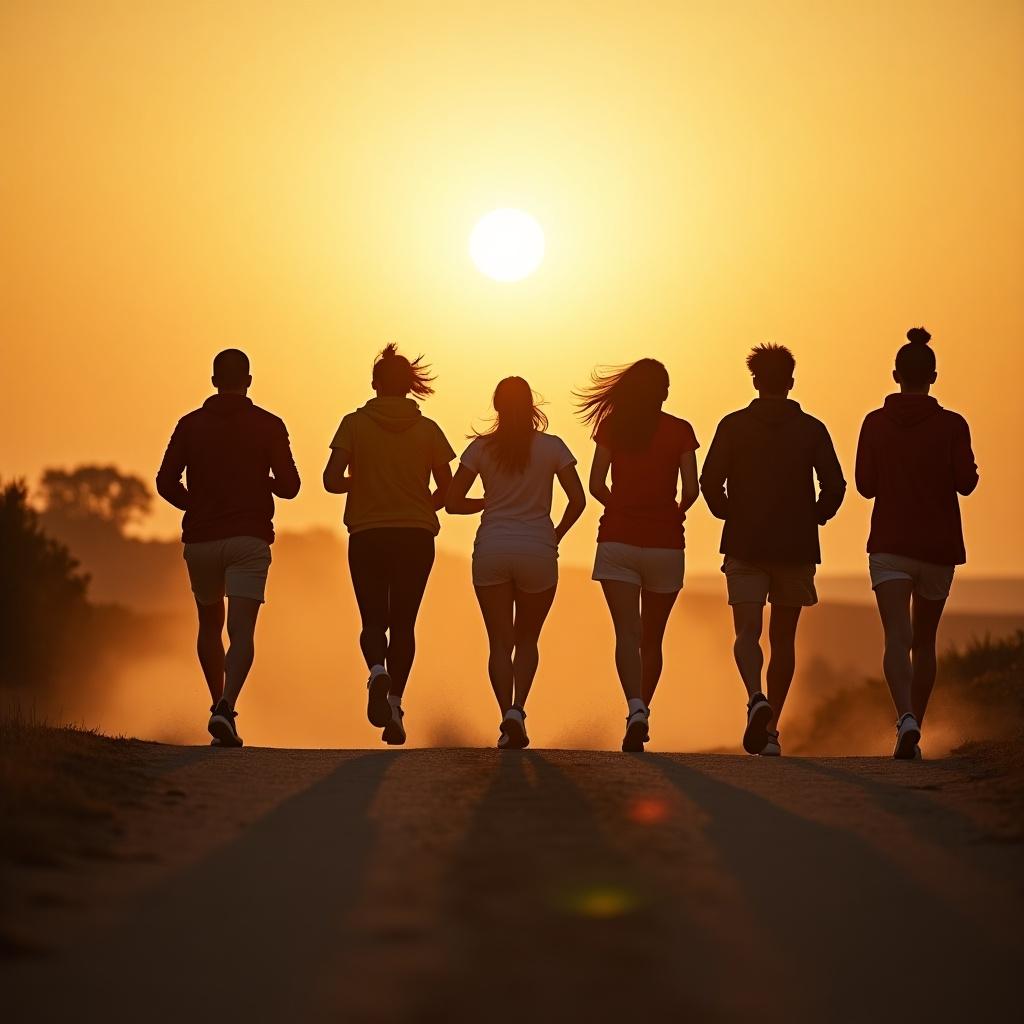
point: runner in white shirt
(515, 557)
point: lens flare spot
(601, 901)
(647, 810)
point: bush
(42, 594)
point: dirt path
(465, 885)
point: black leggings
(390, 568)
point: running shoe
(513, 729)
(908, 735)
(772, 748)
(378, 710)
(222, 725)
(636, 731)
(394, 731)
(759, 714)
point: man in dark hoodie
(236, 457)
(913, 458)
(759, 477)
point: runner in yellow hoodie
(383, 457)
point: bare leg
(926, 616)
(747, 619)
(782, 663)
(654, 612)
(242, 612)
(497, 607)
(893, 599)
(531, 611)
(624, 604)
(210, 646)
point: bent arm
(442, 482)
(599, 474)
(457, 503)
(865, 472)
(335, 480)
(573, 487)
(965, 469)
(689, 484)
(831, 484)
(168, 477)
(714, 475)
(284, 474)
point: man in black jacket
(237, 458)
(759, 477)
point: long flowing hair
(395, 374)
(628, 399)
(518, 417)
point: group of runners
(771, 474)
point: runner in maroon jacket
(236, 457)
(914, 458)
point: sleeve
(442, 452)
(344, 436)
(168, 477)
(831, 484)
(470, 458)
(282, 464)
(965, 469)
(687, 438)
(561, 455)
(865, 472)
(716, 472)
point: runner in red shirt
(640, 559)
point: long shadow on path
(550, 923)
(249, 933)
(868, 940)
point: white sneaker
(513, 730)
(378, 710)
(759, 714)
(772, 748)
(394, 731)
(636, 731)
(908, 735)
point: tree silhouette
(101, 494)
(42, 595)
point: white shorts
(236, 566)
(931, 581)
(531, 574)
(659, 570)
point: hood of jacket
(909, 410)
(394, 414)
(227, 405)
(774, 411)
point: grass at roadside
(60, 790)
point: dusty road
(468, 885)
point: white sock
(635, 704)
(514, 713)
(395, 702)
(377, 670)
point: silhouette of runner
(515, 556)
(759, 478)
(235, 457)
(640, 560)
(390, 451)
(913, 459)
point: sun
(507, 245)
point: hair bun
(918, 336)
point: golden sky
(300, 180)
